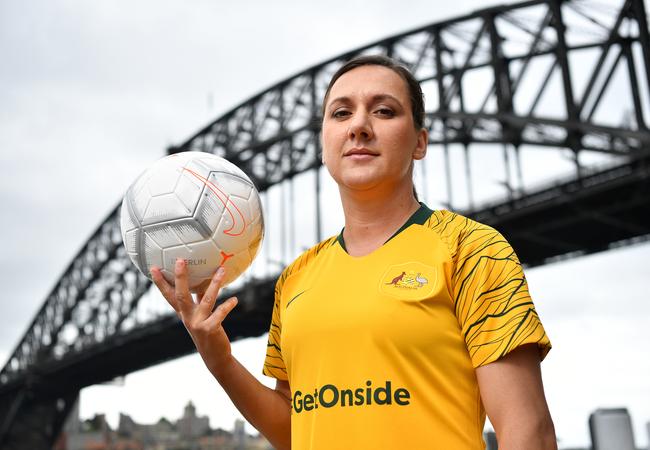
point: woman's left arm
(513, 395)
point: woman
(402, 331)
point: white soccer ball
(196, 206)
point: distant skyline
(92, 93)
(199, 414)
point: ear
(421, 144)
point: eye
(384, 112)
(340, 113)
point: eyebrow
(375, 98)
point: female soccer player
(406, 328)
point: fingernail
(220, 271)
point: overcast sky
(91, 93)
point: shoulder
(449, 223)
(462, 234)
(303, 261)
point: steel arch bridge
(537, 74)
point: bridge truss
(537, 74)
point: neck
(371, 218)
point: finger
(211, 293)
(181, 285)
(222, 311)
(199, 291)
(163, 286)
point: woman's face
(369, 137)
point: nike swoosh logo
(295, 297)
(227, 204)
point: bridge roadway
(578, 216)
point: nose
(360, 127)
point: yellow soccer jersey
(380, 350)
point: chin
(360, 176)
(359, 183)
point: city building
(192, 426)
(490, 439)
(190, 432)
(611, 429)
(93, 434)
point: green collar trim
(419, 217)
(340, 240)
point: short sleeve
(491, 297)
(273, 363)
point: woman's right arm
(268, 410)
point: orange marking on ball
(225, 256)
(218, 192)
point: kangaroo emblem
(397, 279)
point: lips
(359, 152)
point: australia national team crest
(409, 281)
